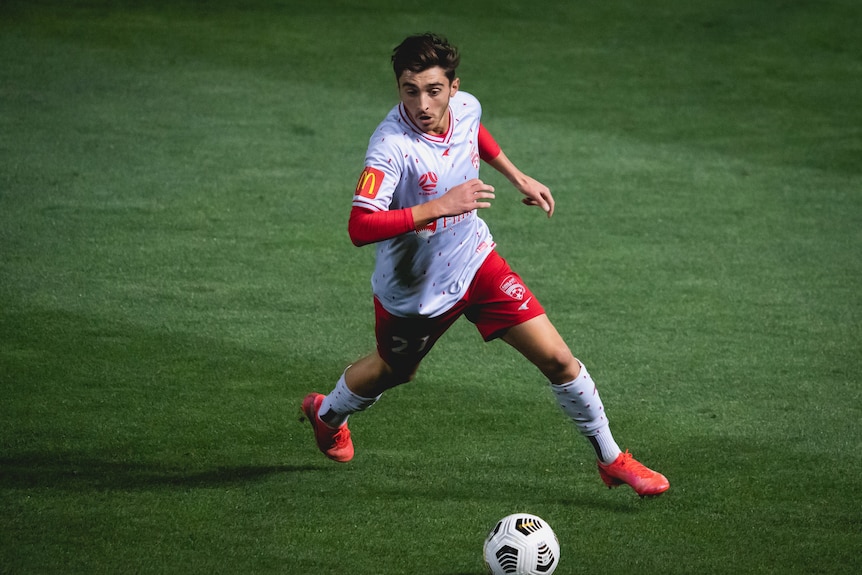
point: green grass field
(175, 275)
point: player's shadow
(72, 473)
(594, 496)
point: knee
(393, 375)
(399, 375)
(371, 376)
(559, 365)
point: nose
(424, 101)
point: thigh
(540, 342)
(498, 299)
(403, 342)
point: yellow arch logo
(369, 182)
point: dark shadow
(54, 363)
(626, 503)
(37, 471)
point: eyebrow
(412, 85)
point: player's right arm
(461, 199)
(367, 226)
(371, 221)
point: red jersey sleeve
(367, 226)
(488, 146)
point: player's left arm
(535, 192)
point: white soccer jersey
(424, 273)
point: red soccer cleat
(334, 443)
(627, 470)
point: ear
(453, 87)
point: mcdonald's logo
(369, 182)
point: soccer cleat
(334, 443)
(627, 470)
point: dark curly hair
(423, 51)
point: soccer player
(418, 201)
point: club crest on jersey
(428, 183)
(513, 288)
(369, 182)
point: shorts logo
(513, 288)
(428, 183)
(369, 182)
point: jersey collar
(436, 138)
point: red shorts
(496, 300)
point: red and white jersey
(424, 273)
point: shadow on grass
(73, 375)
(523, 495)
(35, 471)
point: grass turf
(175, 275)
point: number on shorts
(403, 346)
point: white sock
(580, 400)
(341, 402)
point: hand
(537, 194)
(466, 197)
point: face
(425, 96)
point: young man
(418, 200)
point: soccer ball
(522, 544)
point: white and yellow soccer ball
(522, 544)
